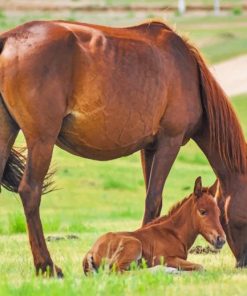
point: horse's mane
(170, 213)
(225, 132)
(159, 24)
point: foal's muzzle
(219, 242)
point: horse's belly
(116, 103)
(101, 136)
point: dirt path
(232, 75)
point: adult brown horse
(103, 93)
(166, 239)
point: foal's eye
(203, 212)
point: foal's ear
(198, 187)
(214, 188)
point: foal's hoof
(199, 268)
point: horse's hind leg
(40, 130)
(38, 161)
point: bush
(237, 10)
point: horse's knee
(30, 197)
(24, 189)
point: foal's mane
(170, 213)
(225, 133)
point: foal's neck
(182, 223)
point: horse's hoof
(49, 270)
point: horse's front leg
(183, 264)
(38, 161)
(164, 157)
(147, 156)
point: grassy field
(95, 197)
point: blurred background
(115, 189)
(95, 197)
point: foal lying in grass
(166, 239)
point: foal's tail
(88, 264)
(225, 131)
(14, 171)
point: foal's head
(207, 215)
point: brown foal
(166, 239)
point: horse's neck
(182, 224)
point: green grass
(96, 197)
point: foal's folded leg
(164, 269)
(130, 250)
(183, 264)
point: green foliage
(2, 15)
(17, 223)
(237, 10)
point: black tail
(14, 171)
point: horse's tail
(225, 131)
(89, 265)
(14, 171)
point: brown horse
(167, 238)
(103, 93)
